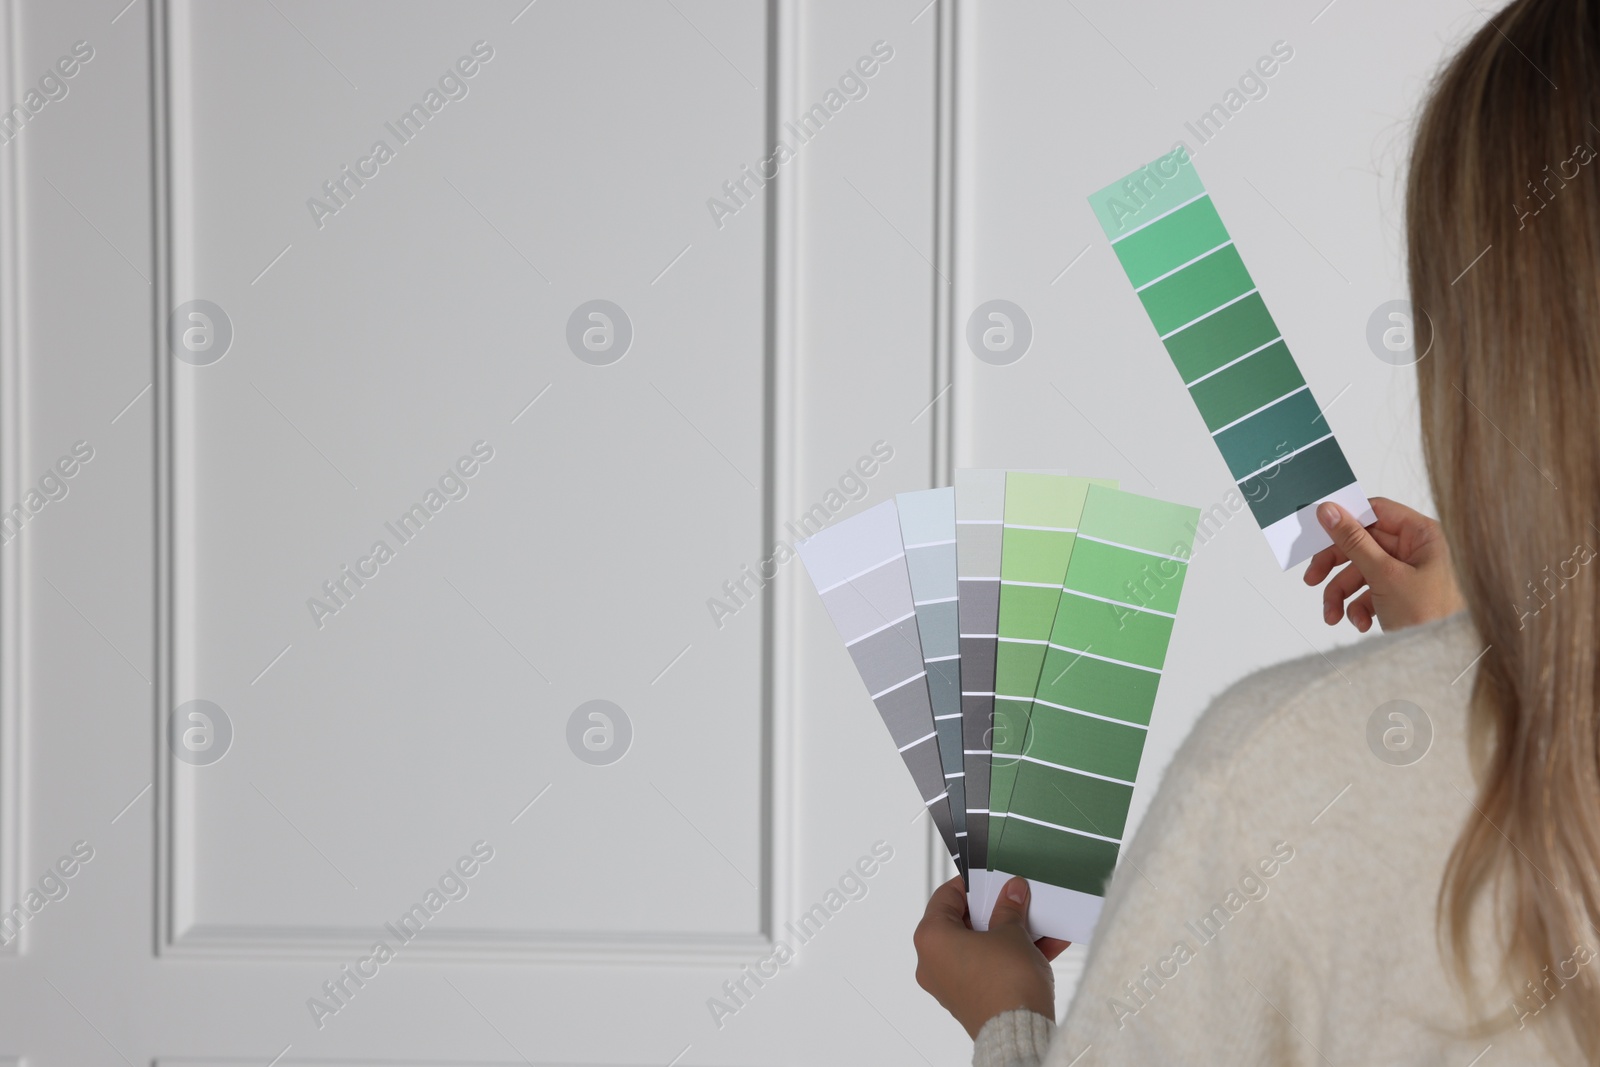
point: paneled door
(404, 662)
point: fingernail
(1328, 515)
(1017, 890)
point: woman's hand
(1402, 559)
(977, 976)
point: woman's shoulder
(1280, 715)
(1329, 785)
(1279, 753)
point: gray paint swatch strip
(858, 566)
(928, 532)
(980, 511)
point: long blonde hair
(1503, 229)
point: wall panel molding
(292, 1061)
(946, 332)
(957, 175)
(13, 445)
(956, 91)
(178, 932)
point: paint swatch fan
(1011, 631)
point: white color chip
(1296, 538)
(1053, 911)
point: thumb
(1356, 542)
(1011, 909)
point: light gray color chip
(889, 657)
(867, 602)
(933, 571)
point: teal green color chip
(1274, 432)
(1196, 290)
(1222, 338)
(1300, 480)
(1236, 391)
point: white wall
(372, 351)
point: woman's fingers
(1052, 947)
(949, 901)
(1323, 562)
(1387, 540)
(1346, 585)
(1361, 611)
(947, 906)
(977, 976)
(1402, 559)
(1393, 515)
(1358, 545)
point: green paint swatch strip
(1205, 307)
(1041, 523)
(1072, 779)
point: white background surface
(766, 361)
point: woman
(1326, 876)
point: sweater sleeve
(1013, 1039)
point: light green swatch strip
(1041, 521)
(1072, 783)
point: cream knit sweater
(1278, 903)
